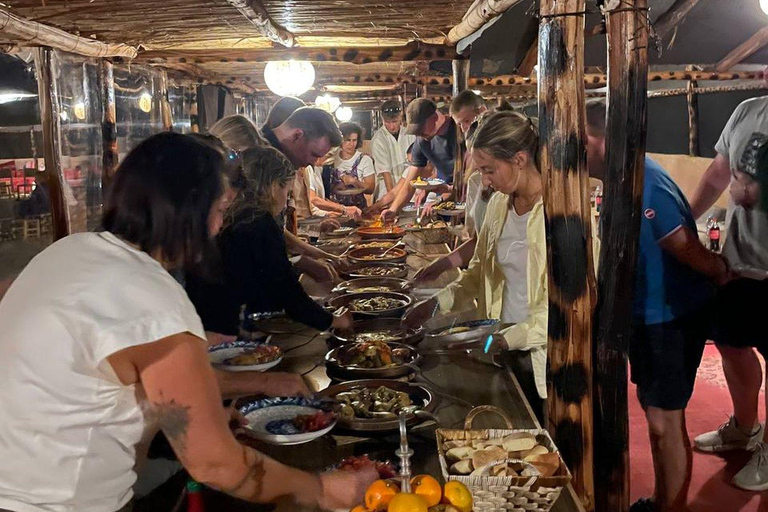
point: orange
(379, 494)
(407, 502)
(457, 494)
(359, 508)
(428, 488)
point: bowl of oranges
(427, 495)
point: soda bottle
(713, 234)
(598, 198)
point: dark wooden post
(48, 93)
(569, 238)
(194, 120)
(693, 118)
(460, 75)
(109, 155)
(165, 106)
(625, 145)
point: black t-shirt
(440, 150)
(255, 272)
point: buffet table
(460, 381)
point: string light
(145, 102)
(328, 103)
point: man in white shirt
(389, 147)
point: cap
(390, 109)
(419, 110)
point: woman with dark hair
(352, 169)
(102, 347)
(255, 270)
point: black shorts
(738, 319)
(665, 358)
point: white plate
(430, 184)
(220, 353)
(259, 418)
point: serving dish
(396, 270)
(372, 360)
(372, 284)
(384, 233)
(339, 232)
(390, 326)
(450, 209)
(272, 419)
(368, 304)
(471, 331)
(364, 255)
(273, 323)
(375, 244)
(233, 356)
(427, 184)
(420, 397)
(348, 191)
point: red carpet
(710, 406)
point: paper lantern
(327, 103)
(343, 114)
(289, 77)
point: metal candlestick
(405, 454)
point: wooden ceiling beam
(672, 17)
(744, 50)
(255, 12)
(478, 14)
(413, 51)
(30, 33)
(531, 58)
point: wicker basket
(434, 235)
(507, 493)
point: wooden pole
(165, 105)
(569, 236)
(478, 14)
(49, 115)
(109, 155)
(194, 120)
(31, 33)
(670, 19)
(665, 93)
(460, 83)
(744, 50)
(529, 61)
(460, 79)
(625, 151)
(254, 11)
(693, 119)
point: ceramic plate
(262, 413)
(217, 354)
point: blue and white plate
(270, 419)
(217, 354)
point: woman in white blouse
(102, 347)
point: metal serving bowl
(335, 367)
(346, 299)
(474, 330)
(387, 284)
(407, 336)
(399, 271)
(393, 255)
(420, 396)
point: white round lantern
(328, 103)
(343, 114)
(764, 6)
(289, 77)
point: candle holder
(404, 453)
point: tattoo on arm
(173, 419)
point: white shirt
(476, 207)
(68, 427)
(390, 155)
(364, 168)
(512, 255)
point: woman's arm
(182, 395)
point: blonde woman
(507, 274)
(255, 270)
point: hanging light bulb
(764, 6)
(289, 77)
(64, 115)
(145, 102)
(343, 114)
(328, 103)
(79, 110)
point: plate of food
(450, 208)
(348, 191)
(289, 421)
(383, 232)
(339, 232)
(355, 463)
(372, 360)
(373, 405)
(372, 284)
(276, 322)
(376, 244)
(365, 304)
(377, 255)
(426, 184)
(474, 330)
(379, 329)
(397, 270)
(409, 210)
(245, 356)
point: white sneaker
(728, 437)
(754, 476)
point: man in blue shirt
(674, 285)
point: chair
(5, 229)
(32, 228)
(46, 224)
(17, 229)
(7, 171)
